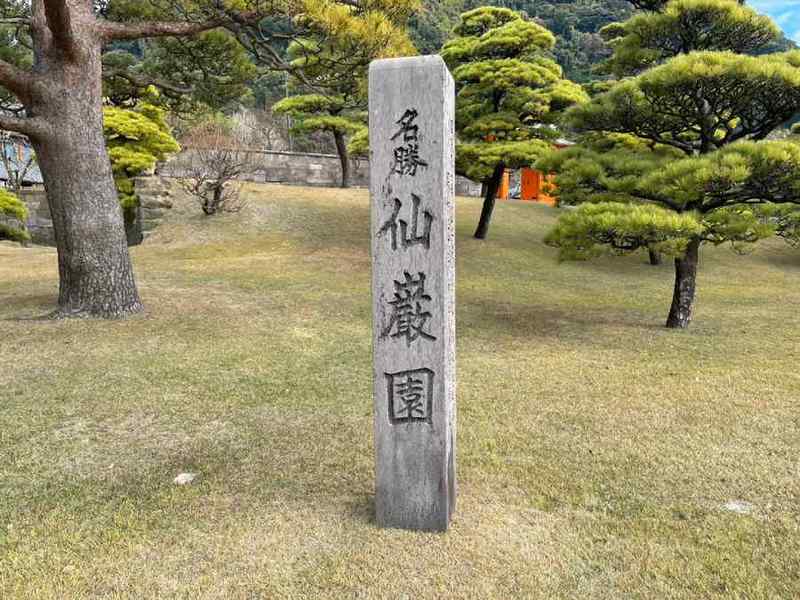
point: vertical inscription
(406, 155)
(412, 180)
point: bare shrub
(215, 161)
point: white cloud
(785, 13)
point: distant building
(17, 154)
(533, 185)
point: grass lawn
(598, 453)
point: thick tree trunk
(680, 314)
(492, 187)
(655, 257)
(96, 276)
(344, 159)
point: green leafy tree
(359, 144)
(315, 112)
(786, 221)
(579, 49)
(207, 73)
(509, 93)
(136, 139)
(54, 84)
(574, 23)
(13, 214)
(330, 72)
(605, 168)
(700, 161)
(687, 26)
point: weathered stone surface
(413, 291)
(155, 202)
(153, 195)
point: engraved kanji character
(408, 318)
(413, 237)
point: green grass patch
(596, 449)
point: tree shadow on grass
(33, 307)
(785, 260)
(361, 509)
(480, 317)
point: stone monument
(411, 119)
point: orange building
(505, 185)
(535, 185)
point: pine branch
(111, 30)
(31, 126)
(16, 80)
(144, 81)
(59, 22)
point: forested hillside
(575, 24)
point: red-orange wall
(532, 184)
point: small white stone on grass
(184, 478)
(739, 506)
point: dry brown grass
(596, 449)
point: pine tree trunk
(344, 159)
(655, 257)
(680, 314)
(133, 225)
(96, 275)
(492, 187)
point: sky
(786, 14)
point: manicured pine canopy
(677, 156)
(509, 95)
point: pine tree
(54, 85)
(509, 93)
(136, 139)
(690, 163)
(13, 214)
(207, 73)
(315, 112)
(330, 71)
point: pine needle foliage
(136, 139)
(13, 214)
(687, 26)
(330, 68)
(509, 95)
(679, 155)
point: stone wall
(282, 167)
(39, 224)
(154, 194)
(289, 168)
(154, 199)
(294, 168)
